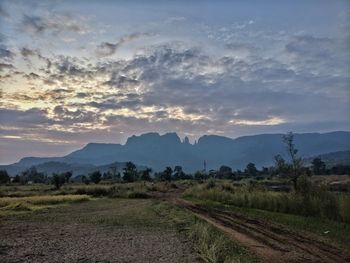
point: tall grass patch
(307, 201)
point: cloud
(54, 23)
(29, 54)
(179, 87)
(26, 52)
(120, 81)
(318, 55)
(3, 12)
(107, 49)
(4, 66)
(308, 46)
(25, 119)
(6, 54)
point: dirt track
(269, 242)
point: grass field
(206, 242)
(149, 212)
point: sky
(74, 72)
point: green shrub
(210, 184)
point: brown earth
(271, 243)
(61, 242)
(103, 230)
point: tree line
(292, 169)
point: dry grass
(13, 205)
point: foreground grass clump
(32, 203)
(213, 246)
(307, 201)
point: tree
(146, 174)
(251, 169)
(199, 175)
(58, 180)
(130, 172)
(178, 173)
(280, 165)
(16, 179)
(225, 172)
(95, 177)
(4, 177)
(67, 176)
(33, 175)
(85, 180)
(318, 166)
(296, 162)
(166, 174)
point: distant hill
(333, 158)
(158, 151)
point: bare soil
(57, 235)
(271, 243)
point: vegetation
(307, 200)
(4, 177)
(10, 205)
(285, 193)
(95, 177)
(130, 172)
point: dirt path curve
(269, 242)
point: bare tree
(296, 162)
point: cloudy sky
(73, 72)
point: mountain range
(158, 151)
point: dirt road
(269, 242)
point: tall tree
(58, 180)
(95, 177)
(224, 172)
(166, 174)
(251, 169)
(318, 166)
(296, 162)
(280, 165)
(146, 174)
(130, 172)
(178, 172)
(67, 176)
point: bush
(210, 184)
(94, 190)
(136, 195)
(95, 177)
(58, 180)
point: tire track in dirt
(269, 242)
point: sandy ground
(22, 241)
